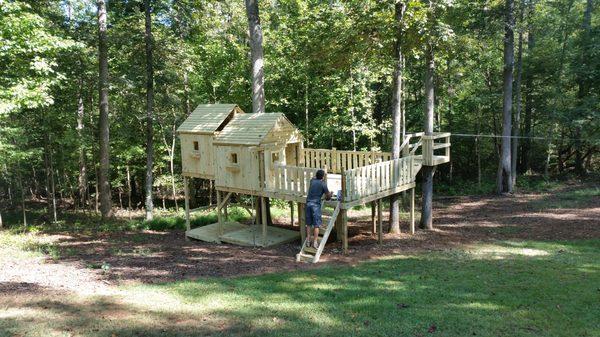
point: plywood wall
(198, 163)
(243, 175)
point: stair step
(304, 258)
(310, 250)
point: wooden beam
(379, 222)
(187, 203)
(302, 220)
(219, 218)
(345, 231)
(412, 211)
(373, 226)
(263, 210)
(379, 195)
(221, 203)
(292, 213)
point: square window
(275, 157)
(196, 146)
(233, 158)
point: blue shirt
(316, 190)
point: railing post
(334, 168)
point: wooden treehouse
(262, 155)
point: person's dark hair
(320, 174)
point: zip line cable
(520, 137)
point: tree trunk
(22, 188)
(428, 171)
(128, 191)
(172, 167)
(149, 110)
(397, 113)
(583, 81)
(504, 180)
(525, 155)
(105, 199)
(258, 76)
(517, 122)
(82, 180)
(478, 147)
(256, 55)
(50, 186)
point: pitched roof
(256, 129)
(207, 118)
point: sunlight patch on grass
(477, 306)
(501, 252)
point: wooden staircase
(311, 254)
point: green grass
(568, 199)
(82, 223)
(507, 289)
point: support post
(379, 222)
(292, 213)
(187, 203)
(302, 220)
(263, 209)
(373, 226)
(412, 210)
(225, 213)
(219, 217)
(345, 231)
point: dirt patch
(92, 263)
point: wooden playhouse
(262, 155)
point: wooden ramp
(252, 236)
(210, 233)
(243, 235)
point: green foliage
(328, 67)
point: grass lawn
(508, 288)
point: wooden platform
(243, 235)
(252, 236)
(210, 233)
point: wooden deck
(210, 233)
(243, 235)
(251, 236)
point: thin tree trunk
(128, 191)
(105, 199)
(50, 186)
(428, 171)
(256, 55)
(517, 122)
(172, 167)
(351, 104)
(82, 180)
(306, 109)
(504, 180)
(583, 80)
(149, 110)
(525, 155)
(397, 113)
(22, 188)
(478, 148)
(97, 196)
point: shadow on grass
(504, 289)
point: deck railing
(293, 180)
(372, 179)
(432, 145)
(334, 161)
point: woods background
(329, 67)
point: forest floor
(138, 282)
